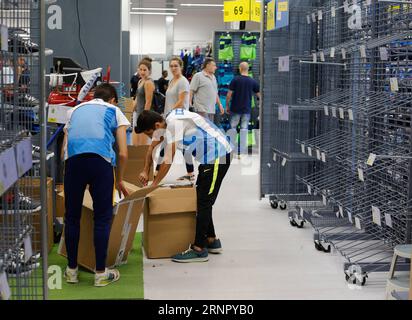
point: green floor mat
(130, 285)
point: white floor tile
(263, 258)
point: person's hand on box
(222, 110)
(122, 189)
(144, 178)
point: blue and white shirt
(91, 128)
(197, 135)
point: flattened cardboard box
(135, 164)
(33, 184)
(169, 221)
(126, 215)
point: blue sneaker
(191, 255)
(215, 246)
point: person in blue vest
(95, 155)
(190, 132)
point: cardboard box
(60, 207)
(135, 164)
(129, 106)
(126, 215)
(169, 221)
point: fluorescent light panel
(201, 5)
(155, 9)
(155, 13)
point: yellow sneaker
(106, 278)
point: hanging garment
(225, 48)
(225, 74)
(248, 47)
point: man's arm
(191, 98)
(121, 141)
(228, 98)
(170, 151)
(64, 146)
(144, 175)
(222, 110)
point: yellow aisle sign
(236, 11)
(271, 16)
(255, 11)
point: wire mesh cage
(21, 275)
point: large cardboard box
(129, 106)
(169, 221)
(135, 164)
(126, 215)
(34, 185)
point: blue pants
(244, 120)
(82, 170)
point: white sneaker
(106, 278)
(72, 275)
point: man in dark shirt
(241, 91)
(163, 83)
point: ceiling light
(155, 9)
(156, 13)
(201, 5)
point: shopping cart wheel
(300, 225)
(319, 247)
(362, 283)
(274, 204)
(283, 206)
(293, 223)
(327, 249)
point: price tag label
(271, 15)
(358, 223)
(350, 217)
(343, 52)
(28, 250)
(8, 169)
(326, 110)
(334, 112)
(341, 113)
(320, 15)
(323, 157)
(302, 212)
(360, 174)
(324, 200)
(394, 84)
(5, 292)
(322, 56)
(341, 211)
(350, 113)
(303, 148)
(332, 52)
(310, 151)
(274, 157)
(376, 216)
(284, 162)
(314, 17)
(283, 6)
(308, 19)
(318, 154)
(384, 53)
(333, 12)
(362, 49)
(371, 159)
(236, 11)
(388, 220)
(24, 156)
(346, 6)
(314, 57)
(255, 11)
(309, 190)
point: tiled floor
(263, 258)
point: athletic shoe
(191, 255)
(15, 270)
(72, 275)
(25, 205)
(106, 278)
(215, 246)
(190, 178)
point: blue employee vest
(91, 129)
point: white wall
(191, 28)
(147, 35)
